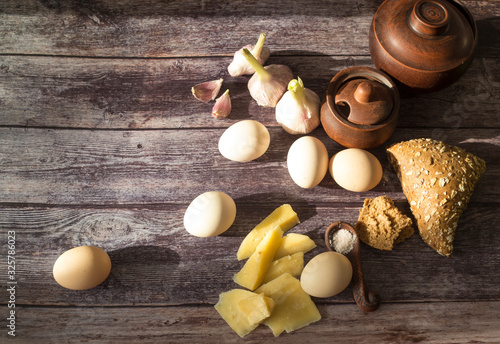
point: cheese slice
(256, 308)
(228, 308)
(283, 217)
(293, 243)
(255, 269)
(293, 308)
(293, 264)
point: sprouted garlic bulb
(298, 110)
(240, 66)
(269, 83)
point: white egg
(326, 275)
(355, 169)
(307, 161)
(244, 141)
(210, 214)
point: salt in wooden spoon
(367, 300)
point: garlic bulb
(298, 109)
(240, 66)
(207, 91)
(268, 84)
(222, 106)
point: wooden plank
(102, 143)
(144, 94)
(157, 28)
(174, 166)
(174, 28)
(488, 28)
(393, 323)
(156, 262)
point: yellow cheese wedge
(232, 314)
(294, 308)
(256, 308)
(255, 268)
(293, 243)
(293, 264)
(283, 216)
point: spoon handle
(367, 300)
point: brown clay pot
(424, 45)
(361, 108)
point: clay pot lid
(369, 101)
(336, 116)
(363, 83)
(431, 35)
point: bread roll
(438, 181)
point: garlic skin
(222, 106)
(240, 66)
(207, 91)
(298, 111)
(269, 83)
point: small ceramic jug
(424, 45)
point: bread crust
(438, 180)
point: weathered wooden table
(102, 143)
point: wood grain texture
(142, 167)
(441, 322)
(156, 262)
(182, 28)
(156, 28)
(145, 94)
(102, 143)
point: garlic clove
(298, 111)
(240, 66)
(269, 83)
(222, 106)
(207, 91)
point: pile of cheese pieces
(274, 296)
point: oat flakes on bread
(381, 225)
(438, 181)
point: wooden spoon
(367, 300)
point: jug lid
(430, 35)
(369, 101)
